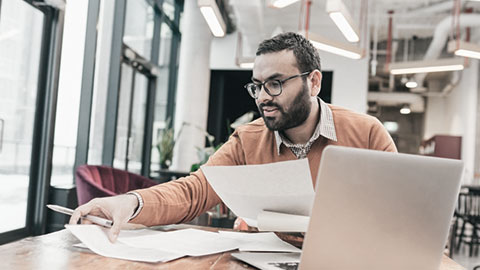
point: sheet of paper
(189, 242)
(95, 238)
(260, 242)
(155, 246)
(279, 222)
(284, 187)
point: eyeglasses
(272, 87)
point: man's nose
(263, 95)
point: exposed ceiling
(414, 25)
(256, 21)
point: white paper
(279, 222)
(189, 242)
(260, 242)
(96, 239)
(284, 187)
(155, 246)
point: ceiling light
(405, 109)
(411, 84)
(391, 126)
(213, 16)
(245, 63)
(343, 49)
(281, 3)
(426, 66)
(465, 49)
(342, 18)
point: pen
(94, 219)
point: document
(280, 222)
(260, 242)
(155, 246)
(189, 242)
(95, 238)
(282, 187)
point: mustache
(269, 104)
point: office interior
(114, 82)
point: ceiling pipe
(440, 37)
(430, 9)
(374, 61)
(307, 18)
(416, 102)
(389, 40)
(455, 80)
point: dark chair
(467, 219)
(102, 181)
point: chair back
(102, 181)
(468, 205)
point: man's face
(292, 107)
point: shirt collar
(325, 125)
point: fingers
(81, 211)
(113, 232)
(118, 223)
(108, 208)
(86, 221)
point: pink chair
(102, 181)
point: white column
(192, 87)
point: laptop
(374, 210)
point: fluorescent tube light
(411, 84)
(212, 15)
(465, 49)
(405, 109)
(342, 18)
(246, 65)
(411, 67)
(343, 49)
(245, 62)
(281, 3)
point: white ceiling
(256, 21)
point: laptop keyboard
(286, 265)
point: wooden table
(55, 251)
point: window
(20, 43)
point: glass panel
(20, 43)
(69, 88)
(100, 87)
(139, 25)
(122, 117)
(169, 8)
(138, 124)
(162, 92)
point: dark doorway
(229, 100)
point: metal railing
(15, 157)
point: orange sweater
(184, 199)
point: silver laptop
(375, 210)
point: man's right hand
(119, 209)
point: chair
(102, 181)
(467, 214)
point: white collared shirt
(325, 127)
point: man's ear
(316, 80)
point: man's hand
(119, 209)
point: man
(295, 124)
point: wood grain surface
(56, 251)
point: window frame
(44, 123)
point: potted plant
(165, 144)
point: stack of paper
(154, 246)
(256, 192)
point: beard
(296, 115)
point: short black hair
(306, 55)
